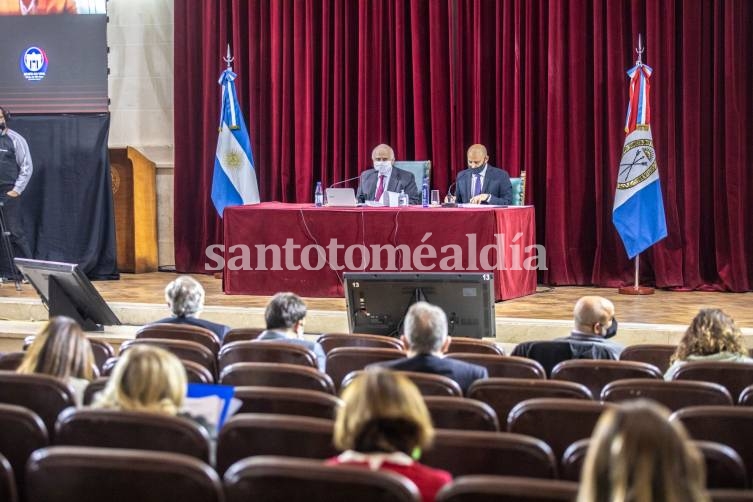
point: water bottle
(318, 195)
(402, 199)
(425, 194)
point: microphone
(333, 185)
(450, 193)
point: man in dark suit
(285, 316)
(482, 183)
(385, 177)
(185, 297)
(426, 337)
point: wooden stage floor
(664, 307)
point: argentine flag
(234, 179)
(638, 212)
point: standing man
(482, 183)
(385, 177)
(15, 172)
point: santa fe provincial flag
(234, 179)
(638, 210)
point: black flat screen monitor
(65, 290)
(377, 302)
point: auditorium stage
(138, 299)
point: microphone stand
(8, 247)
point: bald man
(385, 177)
(594, 321)
(482, 183)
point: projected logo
(33, 63)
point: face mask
(383, 167)
(2, 126)
(477, 170)
(612, 329)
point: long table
(273, 247)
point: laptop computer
(341, 197)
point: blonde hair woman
(383, 425)
(711, 336)
(61, 350)
(637, 455)
(148, 379)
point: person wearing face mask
(594, 321)
(385, 177)
(15, 172)
(482, 183)
(285, 316)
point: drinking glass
(435, 197)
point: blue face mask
(612, 329)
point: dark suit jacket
(460, 371)
(316, 348)
(218, 329)
(576, 346)
(399, 180)
(496, 183)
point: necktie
(476, 184)
(380, 188)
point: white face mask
(383, 167)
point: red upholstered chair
(507, 489)
(731, 495)
(101, 349)
(343, 360)
(10, 361)
(242, 335)
(674, 395)
(596, 373)
(187, 332)
(428, 384)
(655, 354)
(258, 351)
(461, 413)
(330, 341)
(734, 376)
(287, 401)
(21, 432)
(185, 350)
(93, 388)
(473, 346)
(277, 375)
(8, 491)
(503, 366)
(44, 395)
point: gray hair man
(385, 177)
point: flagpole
(636, 288)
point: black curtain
(67, 206)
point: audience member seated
(711, 336)
(636, 454)
(285, 316)
(383, 425)
(425, 335)
(62, 350)
(185, 297)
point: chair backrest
(93, 388)
(263, 351)
(287, 401)
(656, 354)
(10, 361)
(305, 480)
(503, 366)
(7, 481)
(420, 169)
(503, 394)
(197, 373)
(277, 375)
(473, 346)
(595, 374)
(729, 425)
(44, 395)
(330, 341)
(674, 394)
(746, 396)
(428, 384)
(519, 190)
(552, 352)
(250, 434)
(507, 489)
(724, 467)
(132, 429)
(66, 473)
(557, 422)
(461, 413)
(101, 350)
(731, 495)
(185, 350)
(21, 432)
(343, 360)
(188, 332)
(734, 376)
(481, 452)
(242, 335)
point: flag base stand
(636, 289)
(218, 275)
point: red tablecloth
(453, 238)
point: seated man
(482, 183)
(384, 177)
(185, 297)
(285, 317)
(426, 338)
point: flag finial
(228, 59)
(639, 50)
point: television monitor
(65, 290)
(377, 302)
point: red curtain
(541, 83)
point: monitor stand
(61, 304)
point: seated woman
(636, 454)
(147, 379)
(185, 297)
(711, 336)
(62, 350)
(383, 425)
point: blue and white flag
(638, 210)
(234, 179)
